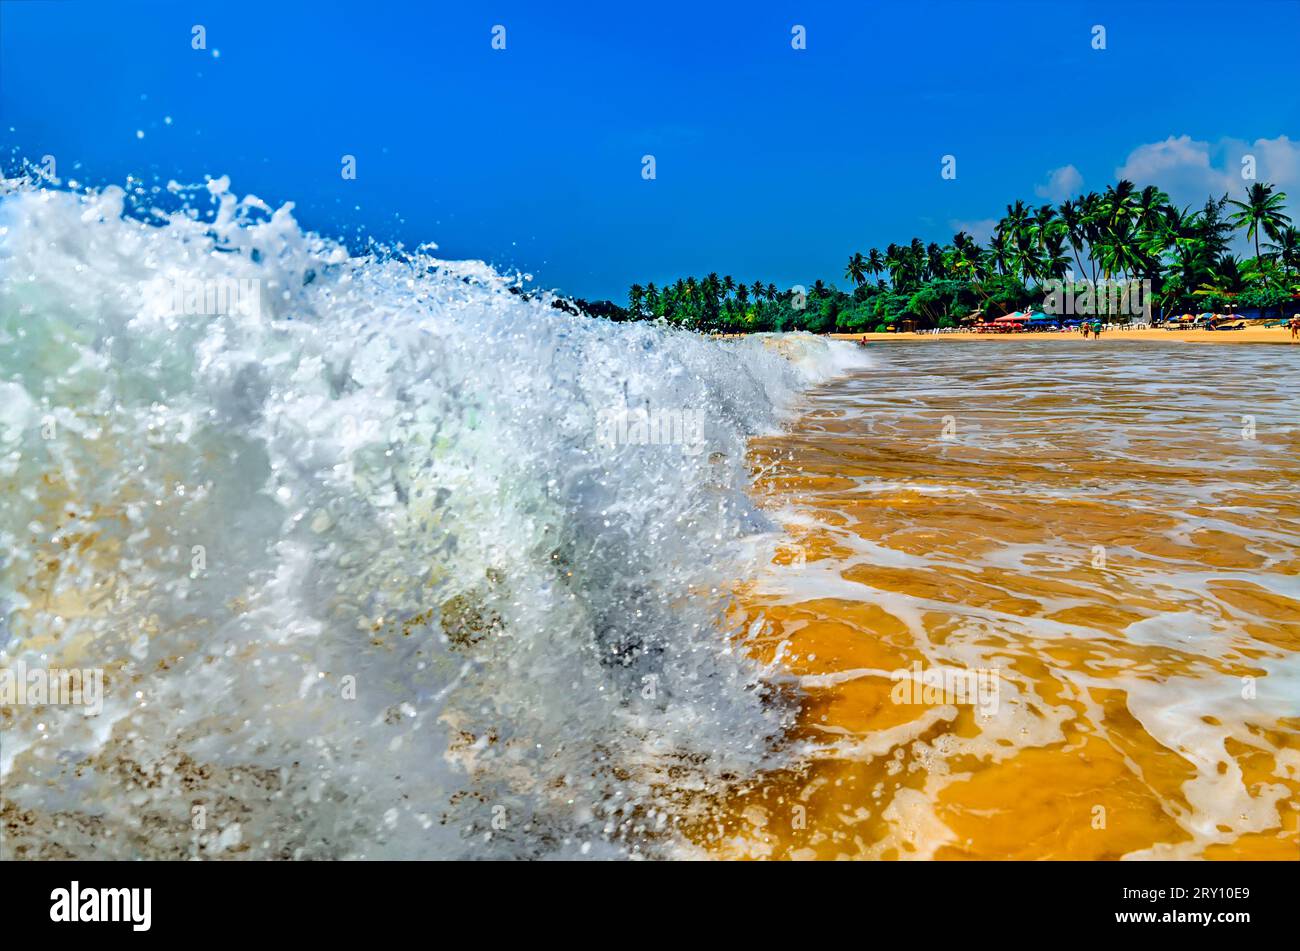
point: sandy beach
(1097, 534)
(1249, 335)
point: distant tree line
(1120, 234)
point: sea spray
(362, 576)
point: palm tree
(972, 260)
(1226, 277)
(1025, 260)
(652, 300)
(1118, 202)
(1012, 239)
(1072, 219)
(1001, 257)
(911, 269)
(711, 292)
(1192, 245)
(1093, 212)
(1286, 249)
(1118, 250)
(856, 271)
(1017, 218)
(893, 263)
(1261, 209)
(1123, 232)
(818, 289)
(1150, 206)
(935, 261)
(1044, 223)
(1055, 261)
(875, 262)
(1150, 213)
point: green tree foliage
(1121, 233)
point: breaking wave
(364, 572)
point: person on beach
(1295, 327)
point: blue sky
(771, 162)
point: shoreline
(906, 552)
(1274, 335)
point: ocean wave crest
(379, 557)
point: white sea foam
(382, 481)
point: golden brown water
(1111, 535)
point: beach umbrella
(1009, 318)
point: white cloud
(1173, 161)
(1190, 170)
(1061, 184)
(981, 230)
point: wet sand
(1249, 335)
(1114, 533)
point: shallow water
(1111, 535)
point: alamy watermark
(977, 687)
(623, 426)
(77, 904)
(210, 297)
(1108, 298)
(40, 686)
